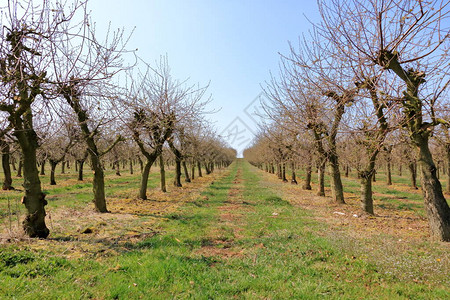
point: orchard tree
(156, 105)
(408, 40)
(83, 69)
(27, 29)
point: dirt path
(230, 223)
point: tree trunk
(186, 173)
(98, 184)
(80, 169)
(400, 170)
(146, 171)
(13, 162)
(131, 166)
(294, 178)
(63, 167)
(413, 174)
(193, 171)
(366, 192)
(7, 182)
(53, 165)
(178, 158)
(42, 168)
(347, 170)
(389, 173)
(144, 180)
(337, 189)
(207, 170)
(283, 172)
(141, 164)
(437, 208)
(117, 167)
(321, 175)
(307, 184)
(162, 173)
(34, 199)
(19, 168)
(177, 179)
(199, 167)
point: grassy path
(239, 239)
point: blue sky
(233, 44)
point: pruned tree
(408, 40)
(157, 105)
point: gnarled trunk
(34, 199)
(144, 180)
(307, 184)
(337, 189)
(366, 192)
(53, 164)
(80, 169)
(437, 208)
(207, 169)
(98, 184)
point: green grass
(68, 192)
(279, 252)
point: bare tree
(82, 69)
(159, 103)
(26, 29)
(409, 41)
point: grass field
(238, 233)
